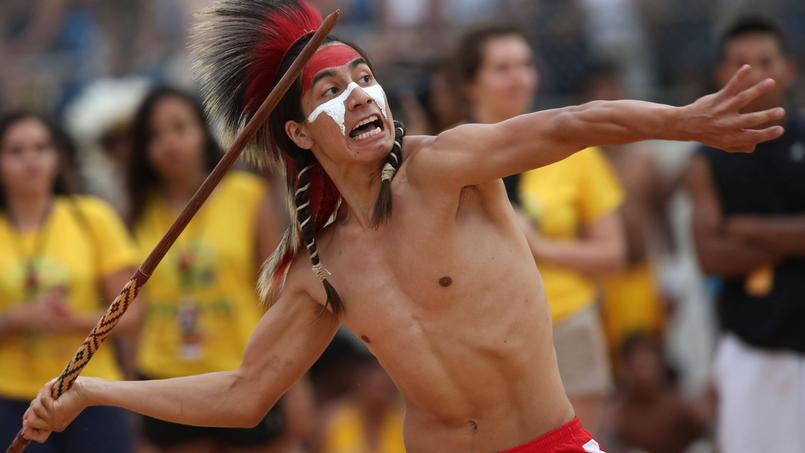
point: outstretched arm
(289, 338)
(477, 153)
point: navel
(473, 426)
(445, 281)
(365, 339)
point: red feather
(285, 26)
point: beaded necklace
(32, 280)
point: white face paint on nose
(336, 107)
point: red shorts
(568, 438)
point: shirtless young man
(444, 292)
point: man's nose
(358, 98)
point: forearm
(219, 399)
(601, 123)
(728, 257)
(593, 258)
(542, 138)
(780, 235)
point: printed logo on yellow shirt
(195, 264)
(196, 268)
(41, 274)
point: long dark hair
(314, 196)
(63, 183)
(142, 179)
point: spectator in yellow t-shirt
(62, 257)
(571, 224)
(201, 301)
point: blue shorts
(97, 429)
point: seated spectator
(648, 412)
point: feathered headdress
(239, 49)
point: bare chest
(421, 276)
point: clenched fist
(46, 415)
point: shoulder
(239, 193)
(593, 163)
(579, 163)
(243, 183)
(592, 154)
(415, 149)
(93, 208)
(300, 282)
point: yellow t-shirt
(561, 199)
(81, 241)
(631, 304)
(346, 432)
(202, 301)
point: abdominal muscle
(465, 333)
(471, 387)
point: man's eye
(331, 91)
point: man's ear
(299, 134)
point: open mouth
(369, 127)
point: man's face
(762, 51)
(346, 113)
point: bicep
(291, 335)
(474, 154)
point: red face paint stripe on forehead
(331, 56)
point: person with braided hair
(425, 258)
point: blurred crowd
(644, 249)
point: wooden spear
(127, 295)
